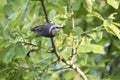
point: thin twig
(93, 30)
(46, 17)
(77, 69)
(55, 49)
(73, 41)
(74, 51)
(73, 66)
(72, 15)
(26, 43)
(60, 68)
(47, 20)
(32, 50)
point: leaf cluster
(96, 37)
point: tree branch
(26, 43)
(55, 49)
(74, 51)
(45, 13)
(72, 15)
(32, 50)
(73, 66)
(73, 26)
(64, 67)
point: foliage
(27, 56)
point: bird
(46, 30)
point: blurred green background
(25, 55)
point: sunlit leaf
(16, 39)
(113, 3)
(91, 48)
(97, 49)
(111, 28)
(97, 35)
(88, 5)
(111, 16)
(117, 24)
(85, 40)
(96, 15)
(84, 48)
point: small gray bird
(46, 30)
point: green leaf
(82, 59)
(84, 48)
(111, 28)
(76, 4)
(2, 4)
(38, 41)
(6, 33)
(2, 16)
(12, 15)
(117, 24)
(66, 52)
(30, 75)
(16, 18)
(9, 55)
(88, 5)
(35, 58)
(70, 74)
(8, 9)
(97, 49)
(17, 75)
(96, 15)
(15, 2)
(113, 3)
(57, 8)
(53, 1)
(116, 43)
(24, 7)
(51, 15)
(20, 51)
(85, 40)
(91, 48)
(97, 35)
(77, 31)
(111, 16)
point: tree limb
(72, 15)
(73, 66)
(45, 13)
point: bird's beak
(32, 29)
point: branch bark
(45, 13)
(60, 58)
(72, 15)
